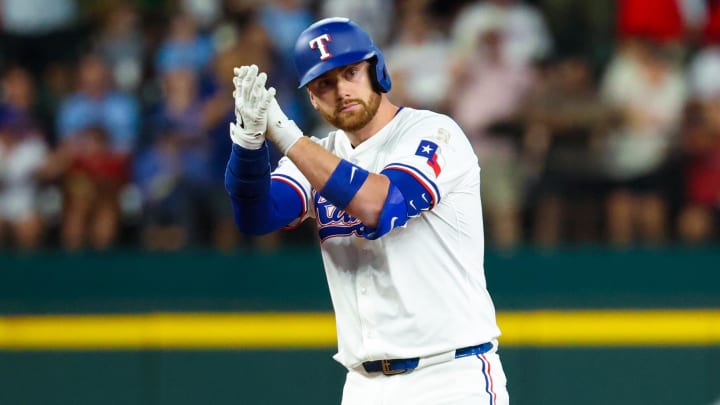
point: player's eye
(353, 71)
(322, 84)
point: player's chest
(372, 155)
(373, 160)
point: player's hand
(281, 130)
(252, 100)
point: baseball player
(395, 193)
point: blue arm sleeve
(260, 205)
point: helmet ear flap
(381, 77)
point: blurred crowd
(594, 121)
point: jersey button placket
(364, 307)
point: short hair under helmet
(335, 42)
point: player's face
(345, 97)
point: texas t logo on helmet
(338, 42)
(319, 42)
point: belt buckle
(387, 370)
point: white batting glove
(281, 130)
(251, 104)
(239, 75)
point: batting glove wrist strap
(284, 135)
(251, 141)
(281, 130)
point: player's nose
(342, 88)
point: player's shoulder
(410, 114)
(327, 140)
(410, 117)
(424, 123)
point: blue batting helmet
(335, 42)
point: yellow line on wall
(169, 330)
(317, 330)
(610, 328)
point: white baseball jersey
(420, 289)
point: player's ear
(312, 99)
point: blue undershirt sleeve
(260, 206)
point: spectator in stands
(19, 92)
(486, 99)
(121, 45)
(92, 175)
(184, 47)
(645, 89)
(521, 27)
(419, 62)
(97, 103)
(563, 118)
(22, 154)
(699, 217)
(158, 173)
(181, 115)
(180, 106)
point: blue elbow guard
(393, 215)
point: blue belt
(399, 366)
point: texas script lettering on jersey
(333, 221)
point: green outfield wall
(582, 326)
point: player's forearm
(318, 165)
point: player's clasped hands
(252, 100)
(255, 106)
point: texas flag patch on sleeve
(428, 150)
